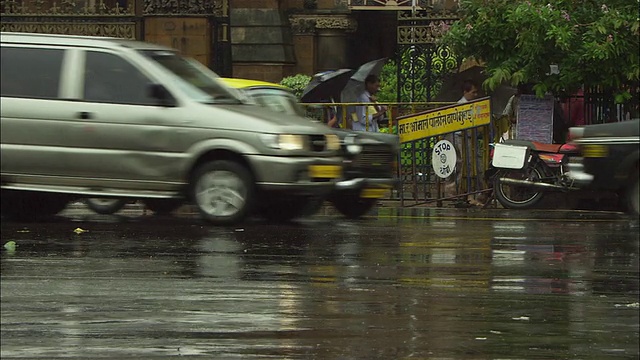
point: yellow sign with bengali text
(444, 120)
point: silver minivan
(105, 117)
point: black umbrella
(366, 69)
(326, 86)
(451, 89)
(355, 85)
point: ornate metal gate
(118, 18)
(422, 65)
(422, 62)
(90, 17)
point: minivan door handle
(85, 115)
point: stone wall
(192, 36)
(272, 39)
(262, 45)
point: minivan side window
(110, 78)
(30, 72)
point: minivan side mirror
(162, 95)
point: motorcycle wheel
(517, 196)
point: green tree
(592, 42)
(296, 83)
(388, 83)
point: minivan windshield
(194, 79)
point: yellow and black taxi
(609, 159)
(368, 173)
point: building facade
(256, 39)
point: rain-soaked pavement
(419, 283)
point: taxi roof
(248, 83)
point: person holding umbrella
(367, 116)
(362, 88)
(332, 116)
(469, 93)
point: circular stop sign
(443, 158)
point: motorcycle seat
(534, 145)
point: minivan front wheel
(223, 191)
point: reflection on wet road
(425, 284)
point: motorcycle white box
(509, 156)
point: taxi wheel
(222, 191)
(351, 205)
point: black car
(369, 171)
(609, 159)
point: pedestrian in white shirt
(469, 93)
(366, 117)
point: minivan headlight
(284, 141)
(333, 142)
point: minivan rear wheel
(222, 191)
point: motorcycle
(522, 171)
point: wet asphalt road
(419, 283)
